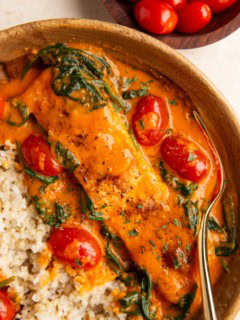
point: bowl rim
(37, 28)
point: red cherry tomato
(155, 16)
(37, 155)
(76, 247)
(218, 6)
(193, 17)
(7, 311)
(2, 107)
(176, 4)
(184, 157)
(150, 120)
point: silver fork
(208, 302)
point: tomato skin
(2, 107)
(37, 155)
(7, 311)
(152, 112)
(218, 6)
(176, 151)
(176, 4)
(193, 17)
(155, 16)
(69, 244)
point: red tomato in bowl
(155, 16)
(193, 17)
(2, 107)
(150, 120)
(76, 247)
(37, 155)
(7, 311)
(218, 6)
(176, 4)
(184, 157)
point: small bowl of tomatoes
(181, 24)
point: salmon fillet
(117, 177)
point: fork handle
(208, 302)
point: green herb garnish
(225, 265)
(172, 102)
(23, 111)
(133, 233)
(131, 94)
(111, 256)
(66, 157)
(5, 283)
(184, 189)
(191, 211)
(214, 226)
(141, 123)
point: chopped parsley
(5, 283)
(141, 123)
(132, 94)
(78, 262)
(133, 233)
(165, 248)
(225, 265)
(172, 102)
(191, 156)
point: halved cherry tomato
(184, 157)
(150, 120)
(7, 311)
(2, 107)
(156, 16)
(193, 17)
(37, 155)
(218, 6)
(76, 247)
(176, 4)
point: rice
(22, 238)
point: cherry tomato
(155, 16)
(218, 6)
(76, 247)
(150, 120)
(184, 157)
(37, 155)
(2, 107)
(176, 4)
(193, 17)
(7, 311)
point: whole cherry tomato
(76, 247)
(184, 157)
(176, 4)
(7, 311)
(37, 155)
(218, 6)
(155, 16)
(193, 17)
(2, 107)
(150, 120)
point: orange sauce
(115, 149)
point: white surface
(219, 61)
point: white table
(219, 61)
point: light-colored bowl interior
(215, 110)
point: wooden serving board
(221, 25)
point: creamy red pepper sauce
(115, 182)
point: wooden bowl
(220, 26)
(212, 106)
